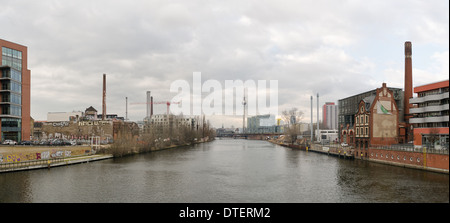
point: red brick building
(376, 122)
(14, 92)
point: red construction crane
(159, 103)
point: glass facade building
(14, 92)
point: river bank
(21, 158)
(420, 160)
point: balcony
(435, 97)
(434, 108)
(429, 119)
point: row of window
(12, 98)
(11, 122)
(12, 86)
(362, 132)
(11, 53)
(13, 110)
(13, 74)
(433, 103)
(362, 120)
(433, 92)
(14, 63)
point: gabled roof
(367, 102)
(91, 109)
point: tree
(292, 119)
(433, 137)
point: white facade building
(62, 116)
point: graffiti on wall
(22, 157)
(83, 123)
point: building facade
(431, 115)
(262, 124)
(376, 122)
(63, 116)
(349, 107)
(168, 123)
(14, 92)
(330, 115)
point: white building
(327, 136)
(63, 116)
(330, 115)
(165, 120)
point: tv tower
(244, 103)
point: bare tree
(433, 137)
(292, 119)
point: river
(226, 170)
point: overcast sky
(334, 48)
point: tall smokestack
(148, 104)
(317, 117)
(312, 138)
(408, 80)
(104, 98)
(151, 106)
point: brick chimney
(408, 80)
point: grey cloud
(331, 47)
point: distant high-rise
(330, 115)
(15, 92)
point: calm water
(226, 171)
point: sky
(332, 48)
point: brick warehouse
(14, 92)
(376, 122)
(350, 107)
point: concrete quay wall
(14, 154)
(50, 163)
(409, 159)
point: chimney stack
(104, 98)
(408, 80)
(151, 106)
(148, 105)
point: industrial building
(431, 115)
(14, 92)
(79, 125)
(349, 107)
(380, 116)
(376, 122)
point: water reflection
(226, 171)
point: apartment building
(431, 115)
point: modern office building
(262, 124)
(330, 115)
(431, 115)
(14, 92)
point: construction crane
(168, 103)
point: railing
(39, 162)
(413, 149)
